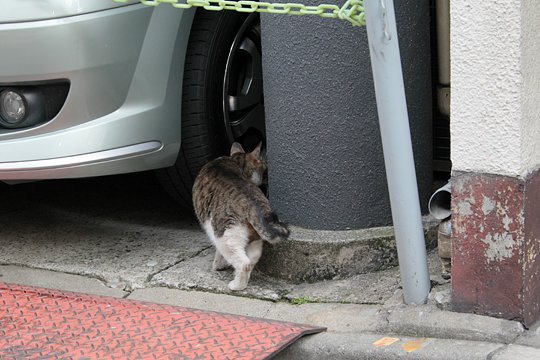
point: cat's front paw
(237, 286)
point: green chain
(352, 10)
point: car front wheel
(222, 97)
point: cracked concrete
(57, 280)
(100, 232)
(352, 329)
(112, 238)
(126, 232)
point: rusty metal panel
(487, 245)
(49, 324)
(531, 253)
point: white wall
(495, 79)
(530, 65)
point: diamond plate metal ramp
(48, 324)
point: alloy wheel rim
(243, 103)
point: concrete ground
(122, 237)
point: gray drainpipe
(440, 208)
(439, 203)
(397, 149)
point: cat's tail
(270, 228)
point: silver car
(93, 87)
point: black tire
(206, 129)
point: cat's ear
(236, 148)
(257, 151)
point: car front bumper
(122, 112)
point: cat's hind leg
(254, 251)
(232, 246)
(219, 262)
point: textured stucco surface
(530, 65)
(324, 148)
(495, 86)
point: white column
(495, 77)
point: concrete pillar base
(496, 246)
(314, 255)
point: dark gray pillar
(324, 147)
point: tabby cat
(234, 212)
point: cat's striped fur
(235, 213)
